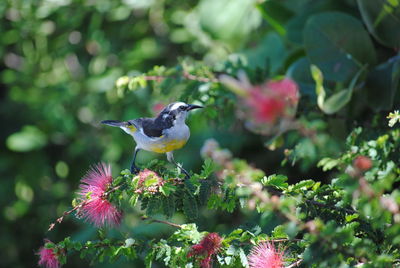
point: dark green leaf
(383, 20)
(339, 53)
(190, 206)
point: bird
(161, 134)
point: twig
(189, 76)
(185, 75)
(295, 264)
(66, 213)
(161, 221)
(284, 240)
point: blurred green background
(60, 61)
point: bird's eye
(181, 108)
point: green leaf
(133, 199)
(204, 192)
(319, 85)
(151, 181)
(243, 258)
(382, 19)
(270, 53)
(328, 163)
(351, 217)
(167, 189)
(278, 181)
(382, 84)
(338, 44)
(153, 206)
(304, 185)
(275, 14)
(208, 168)
(228, 19)
(339, 99)
(279, 232)
(190, 206)
(168, 205)
(28, 139)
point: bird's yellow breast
(168, 146)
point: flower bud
(362, 163)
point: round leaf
(382, 19)
(338, 44)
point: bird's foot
(134, 169)
(187, 175)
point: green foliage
(67, 65)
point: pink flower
(286, 88)
(207, 247)
(147, 174)
(265, 108)
(268, 107)
(264, 255)
(153, 187)
(95, 206)
(273, 100)
(48, 258)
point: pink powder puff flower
(267, 108)
(153, 187)
(207, 247)
(264, 255)
(47, 258)
(95, 206)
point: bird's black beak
(192, 106)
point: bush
(292, 161)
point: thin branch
(295, 264)
(189, 76)
(284, 240)
(161, 221)
(185, 75)
(66, 213)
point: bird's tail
(114, 123)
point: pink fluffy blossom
(95, 207)
(264, 255)
(48, 258)
(268, 107)
(151, 188)
(273, 100)
(207, 247)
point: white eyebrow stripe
(177, 105)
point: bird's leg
(134, 168)
(170, 157)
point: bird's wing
(152, 127)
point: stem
(284, 240)
(185, 75)
(295, 264)
(66, 213)
(161, 221)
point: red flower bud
(362, 163)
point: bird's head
(178, 110)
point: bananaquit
(162, 134)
